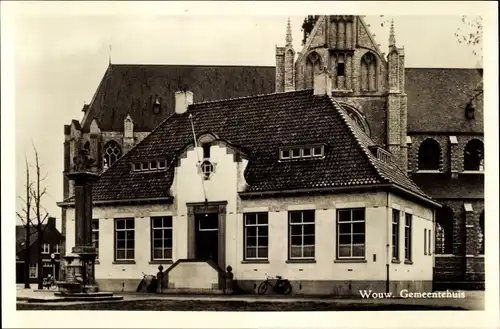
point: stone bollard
(159, 278)
(229, 284)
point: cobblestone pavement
(474, 300)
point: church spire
(392, 35)
(289, 33)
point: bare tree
(27, 222)
(471, 33)
(41, 214)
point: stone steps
(198, 291)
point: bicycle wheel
(287, 287)
(262, 288)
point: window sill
(396, 261)
(408, 262)
(350, 261)
(300, 261)
(255, 261)
(124, 262)
(160, 261)
(97, 262)
(473, 172)
(444, 255)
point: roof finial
(392, 35)
(288, 33)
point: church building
(338, 169)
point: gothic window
(481, 233)
(313, 66)
(474, 155)
(368, 72)
(429, 155)
(444, 231)
(357, 117)
(112, 152)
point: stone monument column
(84, 173)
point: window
(162, 164)
(153, 165)
(408, 242)
(429, 155)
(301, 152)
(340, 69)
(429, 241)
(33, 271)
(368, 72)
(112, 152)
(95, 236)
(57, 250)
(161, 233)
(351, 233)
(425, 241)
(306, 153)
(256, 236)
(45, 248)
(395, 234)
(318, 151)
(207, 168)
(47, 264)
(474, 155)
(302, 231)
(124, 238)
(285, 154)
(444, 231)
(206, 151)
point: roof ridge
(366, 152)
(193, 65)
(248, 97)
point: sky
(61, 53)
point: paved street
(474, 300)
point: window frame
(57, 248)
(163, 228)
(429, 241)
(302, 235)
(257, 237)
(408, 237)
(44, 249)
(425, 242)
(352, 233)
(116, 230)
(396, 225)
(95, 241)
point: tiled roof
(132, 89)
(259, 126)
(437, 99)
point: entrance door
(207, 237)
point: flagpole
(198, 156)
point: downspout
(387, 266)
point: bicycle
(282, 286)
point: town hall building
(338, 169)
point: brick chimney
(51, 222)
(182, 100)
(323, 83)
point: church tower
(369, 85)
(285, 68)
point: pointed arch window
(444, 231)
(368, 72)
(112, 152)
(429, 155)
(474, 155)
(313, 66)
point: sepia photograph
(325, 158)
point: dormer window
(149, 166)
(305, 152)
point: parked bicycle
(281, 286)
